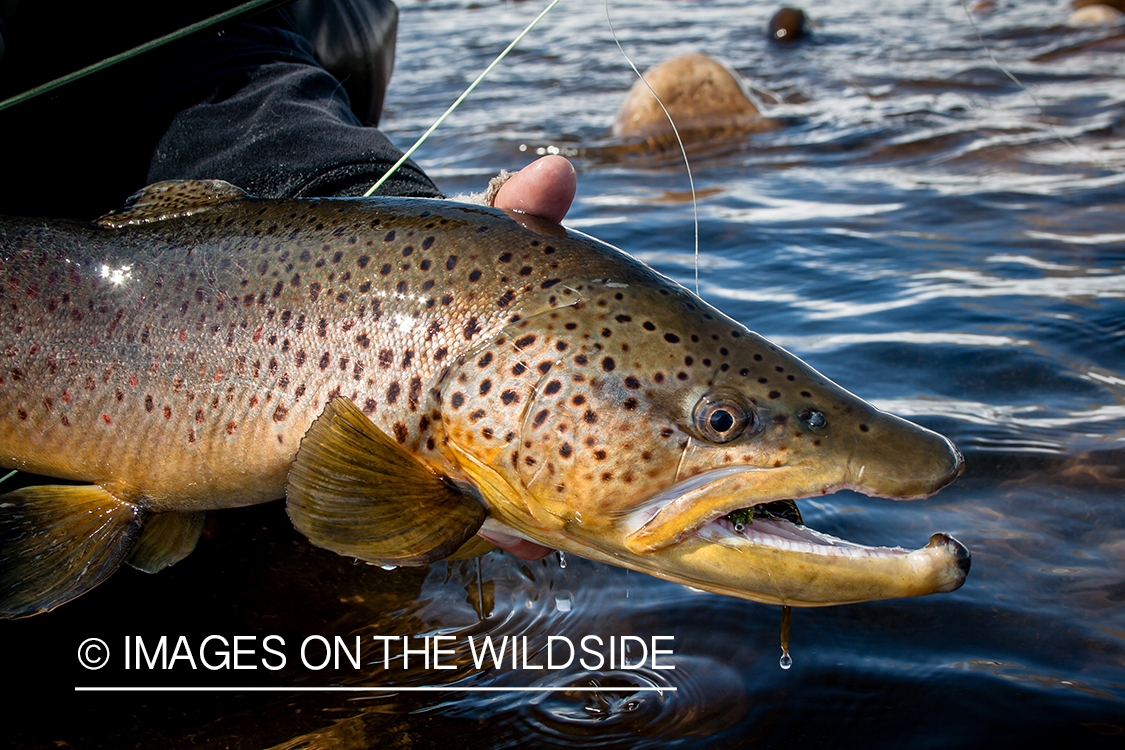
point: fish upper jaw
(905, 462)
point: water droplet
(562, 559)
(389, 567)
(564, 601)
(786, 660)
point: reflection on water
(918, 232)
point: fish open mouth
(738, 531)
(713, 507)
(779, 524)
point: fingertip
(544, 188)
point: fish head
(630, 422)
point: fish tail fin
(58, 542)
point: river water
(932, 236)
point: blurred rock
(788, 25)
(706, 99)
(1096, 14)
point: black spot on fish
(552, 388)
(509, 397)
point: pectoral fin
(356, 491)
(58, 542)
(167, 539)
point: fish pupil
(721, 420)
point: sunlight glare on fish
(116, 276)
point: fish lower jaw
(791, 537)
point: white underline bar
(331, 689)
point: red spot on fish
(183, 335)
(280, 413)
(133, 380)
(253, 401)
(167, 411)
(66, 398)
(232, 427)
(219, 373)
(106, 419)
(258, 335)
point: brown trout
(407, 372)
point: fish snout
(898, 459)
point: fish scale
(406, 372)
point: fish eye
(723, 416)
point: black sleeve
(254, 108)
(249, 105)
